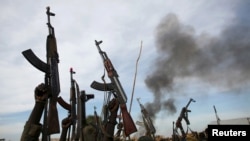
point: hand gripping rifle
(129, 126)
(51, 121)
(183, 115)
(147, 121)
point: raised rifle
(73, 104)
(147, 121)
(129, 126)
(183, 115)
(80, 113)
(51, 121)
(98, 126)
(75, 112)
(217, 117)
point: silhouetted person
(33, 128)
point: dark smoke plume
(222, 62)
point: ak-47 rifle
(183, 115)
(129, 126)
(147, 121)
(51, 121)
(75, 112)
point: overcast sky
(190, 49)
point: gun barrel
(142, 107)
(215, 110)
(217, 117)
(121, 95)
(97, 43)
(191, 100)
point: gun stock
(128, 123)
(53, 119)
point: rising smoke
(222, 61)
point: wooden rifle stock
(128, 123)
(53, 119)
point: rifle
(129, 126)
(74, 109)
(184, 115)
(98, 126)
(51, 121)
(217, 117)
(147, 121)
